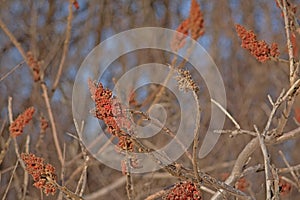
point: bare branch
(227, 114)
(66, 46)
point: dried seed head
(34, 65)
(194, 24)
(40, 172)
(185, 81)
(16, 128)
(259, 49)
(185, 190)
(110, 110)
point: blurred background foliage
(40, 28)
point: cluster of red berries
(16, 128)
(110, 110)
(194, 24)
(41, 173)
(184, 191)
(259, 49)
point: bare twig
(4, 150)
(268, 174)
(196, 140)
(274, 109)
(52, 122)
(69, 194)
(162, 88)
(6, 170)
(236, 132)
(286, 136)
(103, 191)
(83, 177)
(253, 144)
(129, 181)
(10, 180)
(156, 195)
(77, 171)
(13, 39)
(165, 129)
(2, 127)
(289, 181)
(25, 182)
(11, 71)
(288, 169)
(9, 108)
(223, 187)
(292, 90)
(289, 43)
(276, 183)
(66, 46)
(227, 114)
(122, 180)
(270, 100)
(291, 170)
(62, 173)
(293, 75)
(279, 60)
(5, 145)
(33, 29)
(253, 169)
(239, 164)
